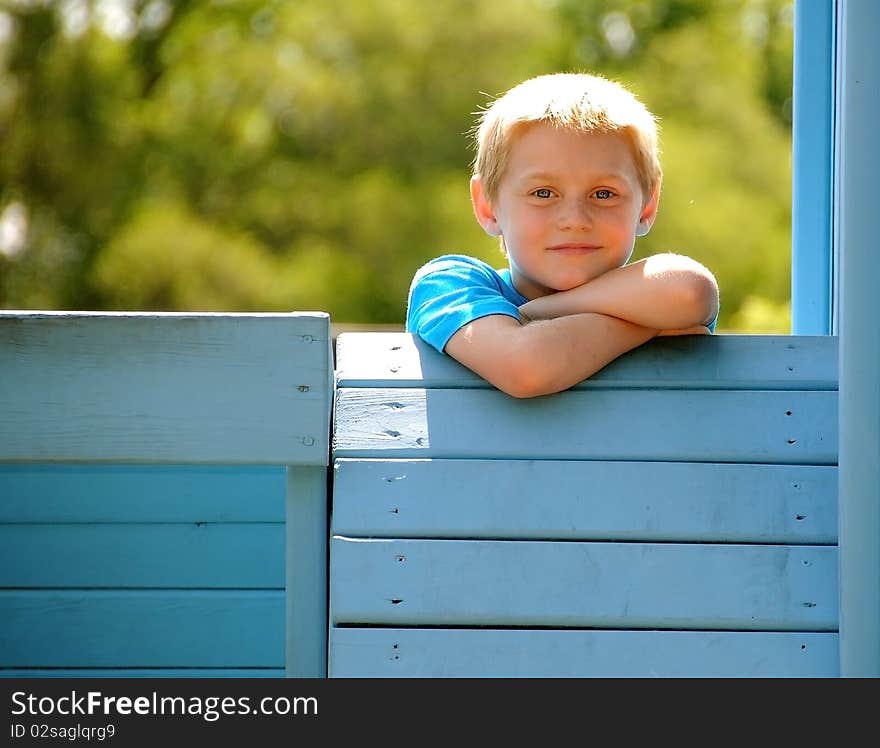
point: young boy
(567, 174)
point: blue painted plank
(141, 493)
(577, 584)
(249, 556)
(144, 673)
(141, 629)
(860, 340)
(812, 168)
(671, 425)
(585, 500)
(138, 387)
(524, 653)
(306, 572)
(752, 362)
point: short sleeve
(712, 324)
(451, 291)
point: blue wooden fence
(674, 515)
(163, 494)
(163, 506)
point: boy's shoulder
(463, 272)
(452, 290)
(456, 262)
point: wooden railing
(164, 505)
(673, 515)
(163, 494)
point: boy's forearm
(545, 356)
(660, 292)
(569, 349)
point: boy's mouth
(574, 248)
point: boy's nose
(576, 215)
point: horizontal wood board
(57, 492)
(672, 425)
(140, 387)
(479, 653)
(141, 628)
(581, 584)
(706, 362)
(203, 555)
(585, 500)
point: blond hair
(574, 101)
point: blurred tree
(261, 154)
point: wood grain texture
(141, 493)
(585, 500)
(194, 388)
(578, 584)
(246, 556)
(673, 425)
(141, 629)
(543, 653)
(760, 362)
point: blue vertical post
(812, 167)
(306, 572)
(859, 469)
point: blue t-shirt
(450, 291)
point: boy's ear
(649, 213)
(483, 208)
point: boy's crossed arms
(570, 335)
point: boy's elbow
(522, 387)
(692, 289)
(698, 297)
(524, 375)
(705, 298)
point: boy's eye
(604, 194)
(543, 192)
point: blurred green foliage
(255, 155)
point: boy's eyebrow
(531, 176)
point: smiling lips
(574, 248)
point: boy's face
(569, 207)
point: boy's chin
(537, 287)
(567, 284)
